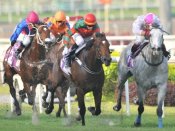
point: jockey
(22, 30)
(57, 24)
(82, 30)
(141, 29)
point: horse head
(154, 54)
(102, 46)
(156, 39)
(42, 34)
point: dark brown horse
(32, 65)
(87, 73)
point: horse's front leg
(81, 105)
(50, 107)
(61, 96)
(161, 96)
(35, 119)
(27, 91)
(141, 96)
(97, 98)
(120, 87)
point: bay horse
(150, 70)
(87, 73)
(31, 65)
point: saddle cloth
(11, 57)
(64, 69)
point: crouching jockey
(22, 30)
(58, 25)
(141, 28)
(82, 30)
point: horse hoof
(115, 108)
(47, 111)
(30, 102)
(18, 113)
(137, 124)
(78, 118)
(58, 115)
(92, 110)
(45, 104)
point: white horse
(150, 70)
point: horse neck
(34, 52)
(89, 58)
(54, 51)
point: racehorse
(150, 70)
(87, 73)
(31, 65)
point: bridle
(143, 55)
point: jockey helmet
(60, 16)
(90, 19)
(149, 18)
(32, 17)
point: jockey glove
(13, 42)
(74, 47)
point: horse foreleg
(35, 119)
(61, 96)
(50, 107)
(141, 97)
(161, 97)
(44, 98)
(97, 98)
(120, 87)
(29, 92)
(81, 105)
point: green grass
(109, 120)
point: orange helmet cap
(60, 16)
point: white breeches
(78, 39)
(25, 39)
(139, 39)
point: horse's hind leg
(13, 94)
(161, 97)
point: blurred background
(115, 17)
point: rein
(86, 68)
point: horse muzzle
(106, 60)
(48, 41)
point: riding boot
(19, 50)
(134, 49)
(165, 52)
(69, 56)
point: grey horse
(150, 70)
